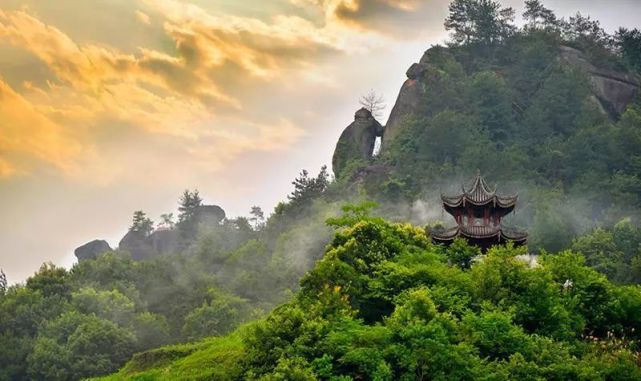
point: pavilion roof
(479, 232)
(479, 194)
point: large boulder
(357, 141)
(164, 241)
(138, 245)
(209, 215)
(91, 250)
(614, 89)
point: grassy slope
(216, 358)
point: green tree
(483, 21)
(215, 317)
(460, 20)
(584, 30)
(167, 221)
(151, 331)
(308, 188)
(76, 346)
(3, 282)
(461, 254)
(257, 217)
(50, 280)
(537, 15)
(109, 305)
(141, 223)
(628, 44)
(188, 205)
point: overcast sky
(109, 106)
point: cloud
(27, 138)
(197, 94)
(391, 18)
(183, 92)
(93, 68)
(143, 17)
(260, 49)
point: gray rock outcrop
(407, 102)
(357, 141)
(138, 245)
(209, 215)
(91, 250)
(164, 241)
(614, 89)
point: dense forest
(286, 301)
(386, 304)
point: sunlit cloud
(390, 18)
(29, 138)
(143, 17)
(186, 93)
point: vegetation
(386, 304)
(500, 99)
(381, 301)
(71, 324)
(141, 223)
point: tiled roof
(479, 232)
(479, 194)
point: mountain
(555, 120)
(553, 117)
(334, 287)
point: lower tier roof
(477, 232)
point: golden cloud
(182, 93)
(143, 17)
(385, 17)
(27, 136)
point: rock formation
(407, 102)
(138, 245)
(209, 215)
(614, 89)
(164, 241)
(357, 141)
(91, 249)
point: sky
(112, 106)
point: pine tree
(258, 217)
(479, 21)
(189, 203)
(537, 15)
(141, 224)
(3, 282)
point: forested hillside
(386, 304)
(549, 110)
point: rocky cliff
(356, 143)
(160, 242)
(91, 250)
(613, 90)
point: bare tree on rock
(374, 103)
